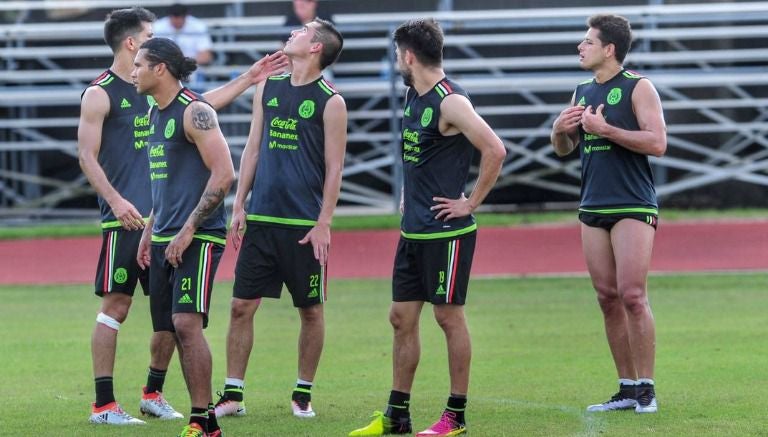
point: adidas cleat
(112, 414)
(154, 404)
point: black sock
(302, 393)
(213, 425)
(398, 405)
(104, 391)
(200, 417)
(457, 404)
(155, 380)
(233, 393)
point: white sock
(645, 381)
(239, 383)
(625, 381)
(302, 382)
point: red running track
(528, 250)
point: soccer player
(616, 121)
(112, 138)
(440, 133)
(190, 171)
(292, 167)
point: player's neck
(164, 94)
(122, 65)
(425, 79)
(605, 72)
(304, 71)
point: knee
(117, 308)
(399, 322)
(607, 296)
(312, 315)
(187, 325)
(243, 309)
(450, 321)
(635, 299)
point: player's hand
(593, 121)
(176, 248)
(448, 209)
(143, 256)
(127, 215)
(237, 227)
(568, 120)
(320, 237)
(269, 65)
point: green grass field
(539, 358)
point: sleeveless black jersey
(178, 174)
(290, 173)
(123, 139)
(614, 179)
(433, 165)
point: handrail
(450, 65)
(106, 4)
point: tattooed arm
(201, 127)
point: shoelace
(617, 397)
(645, 397)
(446, 423)
(303, 405)
(122, 414)
(164, 405)
(222, 399)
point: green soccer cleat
(382, 425)
(193, 430)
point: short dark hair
(178, 10)
(327, 34)
(122, 23)
(424, 38)
(165, 51)
(614, 29)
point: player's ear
(316, 47)
(610, 50)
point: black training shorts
(272, 256)
(433, 271)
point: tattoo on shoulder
(203, 118)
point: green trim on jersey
(183, 98)
(324, 86)
(106, 81)
(441, 89)
(438, 235)
(280, 76)
(638, 210)
(586, 82)
(116, 223)
(280, 220)
(631, 75)
(204, 237)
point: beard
(407, 78)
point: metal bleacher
(707, 60)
